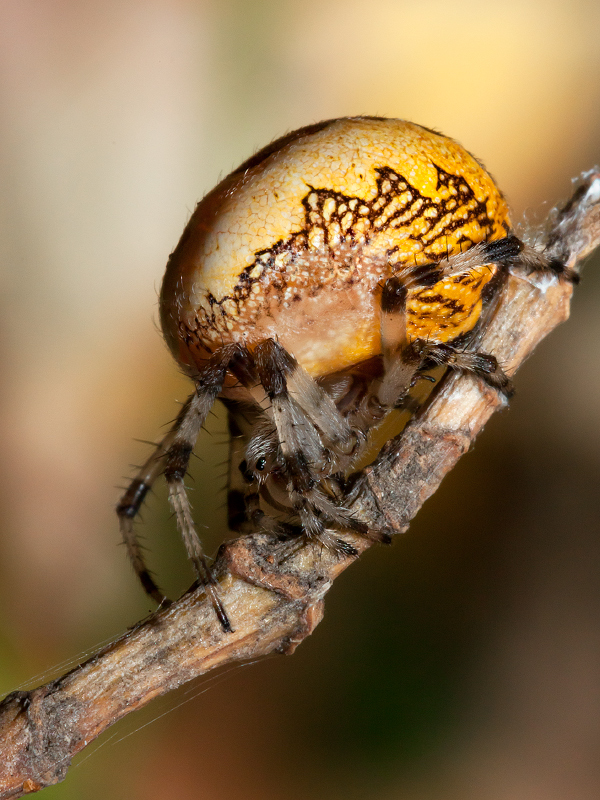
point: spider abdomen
(296, 243)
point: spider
(310, 291)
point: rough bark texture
(274, 609)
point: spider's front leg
(172, 457)
(131, 502)
(507, 252)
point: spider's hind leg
(535, 261)
(405, 360)
(483, 365)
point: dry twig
(274, 606)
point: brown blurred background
(464, 661)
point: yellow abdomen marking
(296, 243)
(448, 309)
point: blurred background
(464, 661)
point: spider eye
(261, 464)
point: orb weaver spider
(311, 289)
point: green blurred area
(464, 660)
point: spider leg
(400, 360)
(171, 456)
(318, 406)
(404, 359)
(312, 436)
(509, 250)
(209, 384)
(239, 478)
(533, 260)
(483, 365)
(306, 417)
(505, 251)
(131, 502)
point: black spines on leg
(209, 383)
(211, 377)
(242, 366)
(533, 260)
(274, 365)
(152, 589)
(345, 549)
(299, 472)
(509, 249)
(486, 367)
(273, 382)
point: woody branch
(273, 608)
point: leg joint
(178, 459)
(133, 498)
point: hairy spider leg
(304, 447)
(403, 359)
(400, 362)
(506, 252)
(483, 365)
(130, 503)
(172, 456)
(533, 260)
(209, 384)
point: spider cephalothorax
(309, 291)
